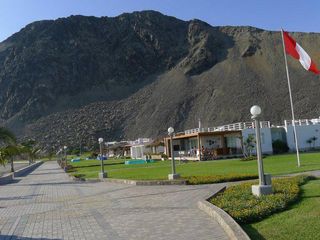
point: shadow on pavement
(10, 182)
(47, 184)
(20, 197)
(44, 173)
(14, 237)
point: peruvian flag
(296, 51)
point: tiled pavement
(46, 204)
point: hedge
(193, 180)
(239, 202)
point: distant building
(223, 141)
(118, 149)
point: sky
(292, 15)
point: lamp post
(65, 156)
(60, 153)
(173, 175)
(264, 186)
(102, 174)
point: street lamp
(264, 186)
(60, 154)
(65, 156)
(173, 175)
(102, 174)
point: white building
(223, 141)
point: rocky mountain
(72, 79)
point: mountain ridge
(135, 74)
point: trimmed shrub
(250, 158)
(193, 180)
(279, 147)
(239, 202)
(79, 176)
(164, 156)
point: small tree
(9, 151)
(309, 141)
(249, 145)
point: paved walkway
(46, 204)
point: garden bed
(239, 202)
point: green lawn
(301, 221)
(278, 164)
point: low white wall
(304, 133)
(137, 152)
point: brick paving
(46, 204)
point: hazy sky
(292, 15)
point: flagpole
(291, 102)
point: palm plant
(314, 139)
(3, 157)
(309, 141)
(9, 152)
(9, 141)
(30, 149)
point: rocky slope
(134, 75)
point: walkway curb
(8, 178)
(26, 170)
(229, 225)
(146, 182)
(133, 182)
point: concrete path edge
(133, 182)
(8, 178)
(229, 225)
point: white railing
(229, 127)
(302, 122)
(195, 130)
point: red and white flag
(296, 51)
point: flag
(297, 52)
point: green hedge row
(244, 207)
(193, 180)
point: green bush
(164, 156)
(193, 180)
(78, 175)
(279, 147)
(244, 207)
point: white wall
(266, 139)
(137, 152)
(211, 142)
(304, 133)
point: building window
(231, 142)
